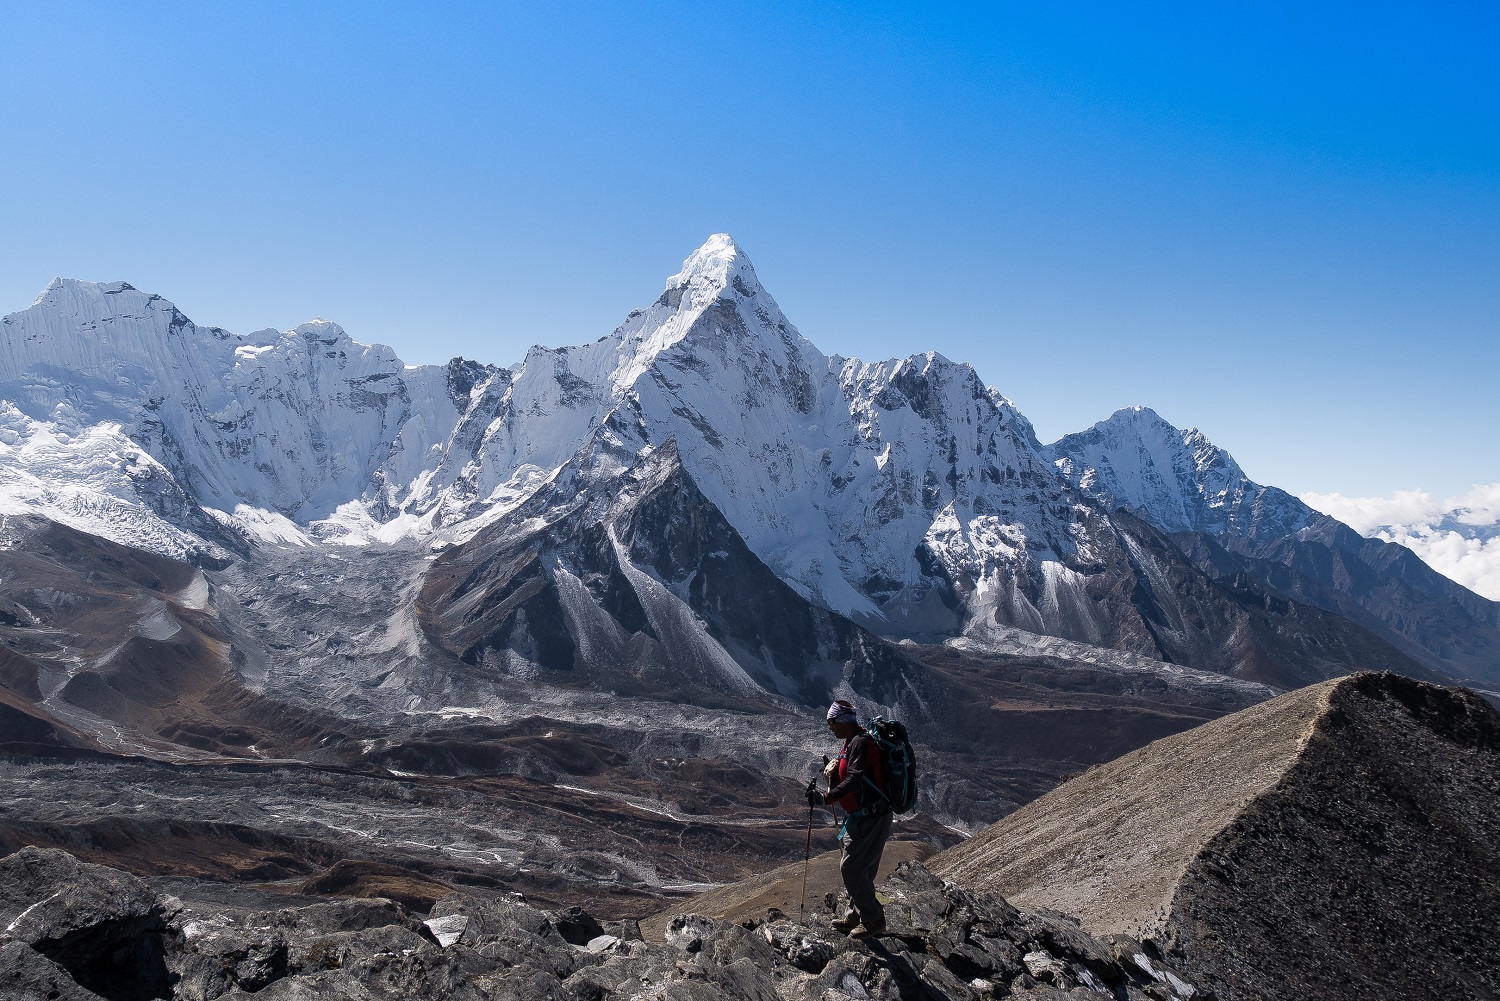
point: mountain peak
(717, 267)
(75, 292)
(1178, 480)
(322, 329)
(1139, 427)
(1137, 417)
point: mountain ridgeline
(900, 499)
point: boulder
(806, 949)
(104, 927)
(575, 925)
(27, 975)
(216, 955)
(449, 929)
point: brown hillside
(1336, 842)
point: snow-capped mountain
(1184, 485)
(271, 426)
(904, 495)
(836, 472)
(1177, 480)
(468, 615)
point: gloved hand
(814, 798)
(830, 772)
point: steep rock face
(1383, 586)
(1142, 595)
(1237, 624)
(632, 580)
(1258, 864)
(1232, 527)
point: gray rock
(317, 987)
(27, 975)
(344, 950)
(850, 974)
(1004, 956)
(576, 925)
(627, 929)
(959, 946)
(339, 916)
(212, 958)
(48, 896)
(448, 929)
(803, 948)
(507, 933)
(491, 916)
(526, 983)
(688, 931)
(1059, 936)
(101, 925)
(603, 943)
(1043, 966)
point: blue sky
(1281, 225)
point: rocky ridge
(76, 931)
(1330, 843)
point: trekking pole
(806, 858)
(807, 851)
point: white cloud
(1473, 562)
(1480, 506)
(1458, 537)
(1366, 514)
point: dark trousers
(864, 841)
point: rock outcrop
(75, 941)
(1333, 843)
(104, 927)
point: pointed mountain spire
(717, 268)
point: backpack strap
(878, 765)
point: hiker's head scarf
(842, 712)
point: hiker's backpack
(898, 763)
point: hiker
(855, 781)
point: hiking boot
(845, 925)
(868, 930)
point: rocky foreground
(75, 931)
(1336, 843)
